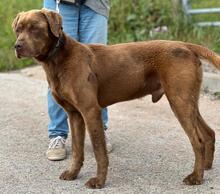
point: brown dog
(85, 78)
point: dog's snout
(18, 46)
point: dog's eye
(18, 30)
(33, 29)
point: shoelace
(56, 142)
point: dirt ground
(151, 151)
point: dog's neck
(53, 52)
(55, 49)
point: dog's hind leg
(187, 116)
(78, 136)
(181, 83)
(209, 136)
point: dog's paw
(68, 175)
(192, 179)
(94, 183)
(208, 165)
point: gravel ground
(151, 151)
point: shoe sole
(56, 158)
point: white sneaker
(56, 149)
(107, 140)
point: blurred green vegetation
(133, 20)
(130, 20)
(8, 10)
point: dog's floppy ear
(15, 21)
(54, 20)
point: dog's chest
(56, 80)
(57, 86)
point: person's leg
(58, 119)
(58, 125)
(93, 28)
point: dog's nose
(18, 46)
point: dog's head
(36, 32)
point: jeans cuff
(53, 136)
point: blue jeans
(86, 26)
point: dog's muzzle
(19, 48)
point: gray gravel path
(151, 152)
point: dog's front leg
(94, 125)
(78, 136)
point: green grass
(134, 20)
(8, 10)
(130, 20)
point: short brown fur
(85, 78)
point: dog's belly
(122, 89)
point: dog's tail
(205, 53)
